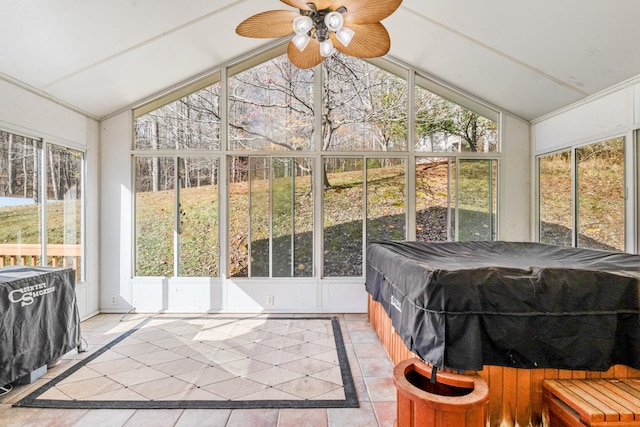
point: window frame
(573, 149)
(409, 155)
(44, 176)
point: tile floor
(370, 367)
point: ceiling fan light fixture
(345, 35)
(315, 26)
(302, 24)
(301, 41)
(326, 48)
(334, 21)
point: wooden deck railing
(58, 255)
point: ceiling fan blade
(298, 4)
(323, 4)
(366, 11)
(308, 58)
(369, 41)
(270, 24)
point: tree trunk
(52, 174)
(10, 166)
(36, 168)
(155, 162)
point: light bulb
(333, 21)
(344, 35)
(301, 41)
(326, 48)
(302, 24)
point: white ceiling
(529, 58)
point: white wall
(612, 113)
(514, 185)
(29, 114)
(596, 119)
(116, 214)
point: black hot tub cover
(462, 305)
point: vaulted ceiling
(528, 58)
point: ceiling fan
(318, 27)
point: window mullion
(44, 174)
(176, 217)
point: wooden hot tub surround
(515, 395)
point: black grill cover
(39, 320)
(462, 305)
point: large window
(315, 164)
(455, 199)
(582, 196)
(176, 190)
(271, 107)
(64, 206)
(600, 195)
(442, 125)
(270, 216)
(33, 232)
(556, 195)
(343, 216)
(364, 107)
(176, 216)
(386, 199)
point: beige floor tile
(157, 357)
(89, 388)
(369, 350)
(171, 342)
(235, 388)
(307, 387)
(245, 367)
(82, 374)
(141, 375)
(280, 342)
(206, 376)
(120, 394)
(154, 418)
(105, 418)
(114, 366)
(307, 366)
(270, 394)
(363, 337)
(302, 418)
(333, 375)
(54, 394)
(328, 356)
(17, 417)
(110, 355)
(180, 366)
(363, 416)
(385, 413)
(381, 389)
(253, 418)
(278, 357)
(204, 417)
(54, 417)
(193, 394)
(275, 375)
(158, 389)
(182, 369)
(376, 367)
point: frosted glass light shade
(326, 48)
(344, 35)
(333, 21)
(301, 41)
(302, 24)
